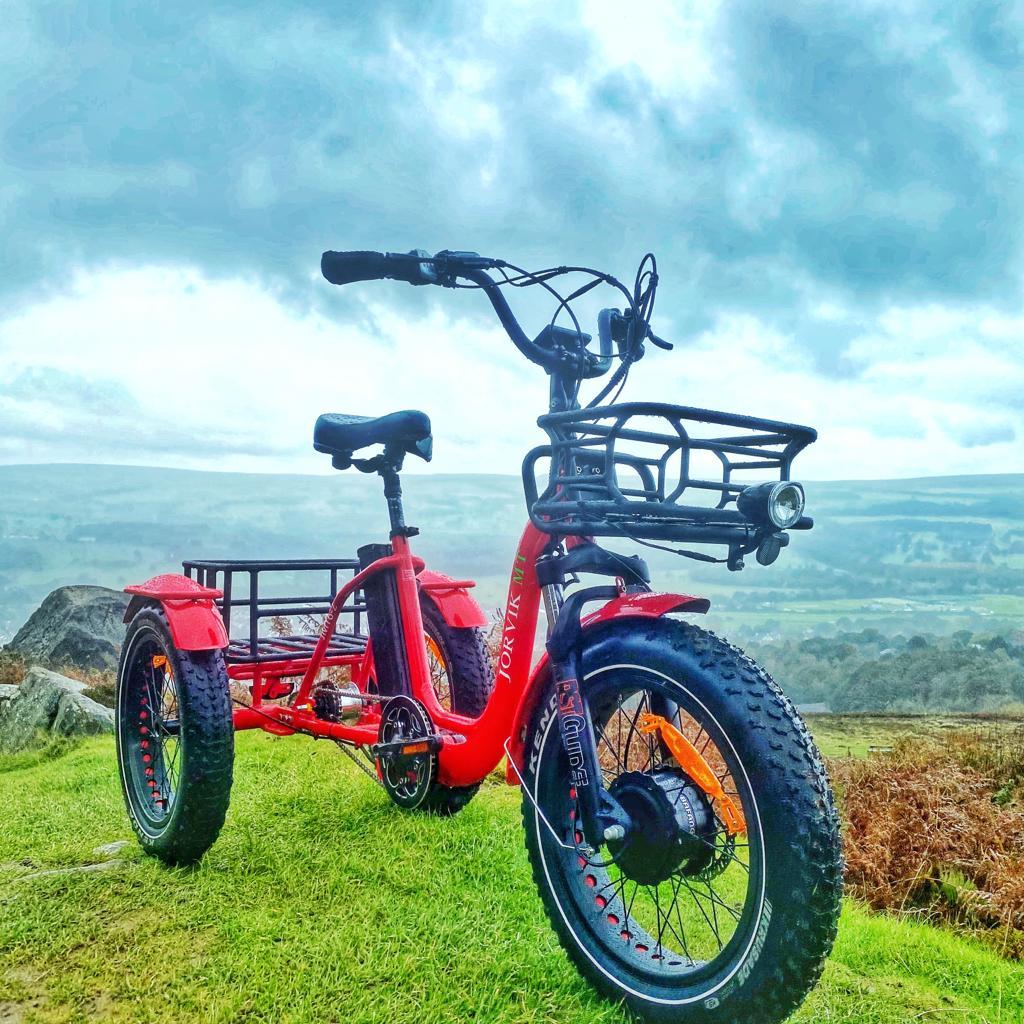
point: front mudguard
(194, 620)
(452, 599)
(637, 607)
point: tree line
(867, 671)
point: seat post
(393, 493)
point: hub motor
(673, 826)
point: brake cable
(640, 303)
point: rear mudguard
(194, 620)
(629, 606)
(452, 599)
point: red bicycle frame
(471, 747)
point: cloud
(164, 366)
(805, 172)
(49, 414)
(982, 435)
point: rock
(78, 626)
(7, 691)
(109, 850)
(50, 703)
(78, 715)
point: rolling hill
(913, 556)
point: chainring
(407, 779)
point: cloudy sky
(834, 193)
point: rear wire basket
(651, 471)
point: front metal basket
(653, 471)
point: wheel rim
(149, 723)
(440, 672)
(690, 926)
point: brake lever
(449, 263)
(659, 342)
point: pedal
(408, 748)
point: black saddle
(341, 435)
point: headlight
(780, 504)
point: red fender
(196, 623)
(452, 599)
(628, 606)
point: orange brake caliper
(690, 759)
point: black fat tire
(800, 824)
(472, 681)
(207, 743)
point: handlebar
(419, 268)
(542, 357)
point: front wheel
(175, 740)
(688, 919)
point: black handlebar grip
(348, 267)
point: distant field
(928, 555)
(859, 735)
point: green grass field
(322, 902)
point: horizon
(427, 472)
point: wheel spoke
(656, 894)
(657, 916)
(703, 912)
(682, 928)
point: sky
(833, 191)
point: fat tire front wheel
(175, 741)
(713, 927)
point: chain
(341, 745)
(348, 752)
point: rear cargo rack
(255, 648)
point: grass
(321, 902)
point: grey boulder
(49, 703)
(81, 626)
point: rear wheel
(460, 667)
(175, 741)
(463, 678)
(689, 919)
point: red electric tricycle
(677, 815)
